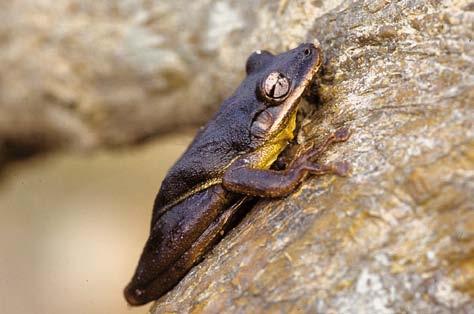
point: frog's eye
(257, 60)
(276, 86)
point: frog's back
(224, 138)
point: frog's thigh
(167, 279)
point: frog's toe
(342, 168)
(342, 134)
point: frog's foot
(340, 168)
(341, 135)
(311, 152)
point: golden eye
(276, 85)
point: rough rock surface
(398, 235)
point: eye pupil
(276, 85)
(307, 52)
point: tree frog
(229, 160)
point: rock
(397, 236)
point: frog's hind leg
(167, 279)
(208, 239)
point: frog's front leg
(242, 178)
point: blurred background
(72, 227)
(97, 100)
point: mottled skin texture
(229, 160)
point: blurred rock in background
(81, 74)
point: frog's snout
(311, 52)
(132, 295)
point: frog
(228, 162)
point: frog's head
(280, 82)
